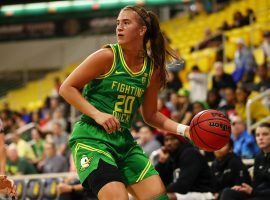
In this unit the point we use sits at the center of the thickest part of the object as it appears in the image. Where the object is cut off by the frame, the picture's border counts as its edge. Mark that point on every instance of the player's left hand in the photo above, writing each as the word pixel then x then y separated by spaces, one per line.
pixel 7 186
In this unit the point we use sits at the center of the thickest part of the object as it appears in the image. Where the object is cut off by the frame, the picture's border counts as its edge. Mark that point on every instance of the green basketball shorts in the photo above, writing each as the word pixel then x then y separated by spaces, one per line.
pixel 90 143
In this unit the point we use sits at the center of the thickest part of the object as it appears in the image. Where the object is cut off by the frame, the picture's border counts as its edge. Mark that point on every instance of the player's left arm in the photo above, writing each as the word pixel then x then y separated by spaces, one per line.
pixel 151 114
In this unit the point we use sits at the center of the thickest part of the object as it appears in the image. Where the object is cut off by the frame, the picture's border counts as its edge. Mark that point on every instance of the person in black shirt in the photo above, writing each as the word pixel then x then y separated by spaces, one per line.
pixel 184 170
pixel 228 169
pixel 260 188
pixel 220 79
pixel 227 105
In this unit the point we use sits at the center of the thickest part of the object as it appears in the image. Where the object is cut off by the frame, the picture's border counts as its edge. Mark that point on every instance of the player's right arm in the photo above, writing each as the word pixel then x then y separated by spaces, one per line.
pixel 93 66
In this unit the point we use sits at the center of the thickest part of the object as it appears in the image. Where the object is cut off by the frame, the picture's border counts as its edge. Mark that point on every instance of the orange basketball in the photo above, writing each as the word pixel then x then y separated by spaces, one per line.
pixel 210 130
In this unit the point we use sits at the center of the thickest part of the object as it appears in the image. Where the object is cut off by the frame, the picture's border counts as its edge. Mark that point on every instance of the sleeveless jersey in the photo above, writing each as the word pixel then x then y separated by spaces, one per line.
pixel 119 92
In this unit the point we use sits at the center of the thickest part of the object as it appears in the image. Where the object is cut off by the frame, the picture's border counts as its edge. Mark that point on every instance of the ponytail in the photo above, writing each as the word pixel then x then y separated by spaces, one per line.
pixel 159 50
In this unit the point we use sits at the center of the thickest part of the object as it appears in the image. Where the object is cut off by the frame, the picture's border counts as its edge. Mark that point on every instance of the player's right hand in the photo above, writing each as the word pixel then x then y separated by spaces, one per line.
pixel 107 121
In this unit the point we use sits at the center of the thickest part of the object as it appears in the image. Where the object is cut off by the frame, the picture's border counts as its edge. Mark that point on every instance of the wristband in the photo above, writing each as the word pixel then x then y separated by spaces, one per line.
pixel 181 129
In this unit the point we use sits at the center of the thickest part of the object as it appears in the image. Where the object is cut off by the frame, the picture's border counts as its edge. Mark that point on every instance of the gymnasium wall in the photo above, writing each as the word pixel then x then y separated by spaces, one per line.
pixel 48 53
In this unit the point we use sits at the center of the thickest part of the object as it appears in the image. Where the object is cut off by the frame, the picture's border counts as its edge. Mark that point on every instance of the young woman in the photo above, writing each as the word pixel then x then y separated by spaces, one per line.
pixel 119 78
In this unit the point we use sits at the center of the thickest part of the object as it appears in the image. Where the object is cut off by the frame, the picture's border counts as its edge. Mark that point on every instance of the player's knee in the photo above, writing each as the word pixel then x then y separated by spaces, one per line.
pixel 113 191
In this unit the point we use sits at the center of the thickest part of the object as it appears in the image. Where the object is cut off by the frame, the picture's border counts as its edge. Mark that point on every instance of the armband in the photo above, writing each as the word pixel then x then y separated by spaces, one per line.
pixel 181 129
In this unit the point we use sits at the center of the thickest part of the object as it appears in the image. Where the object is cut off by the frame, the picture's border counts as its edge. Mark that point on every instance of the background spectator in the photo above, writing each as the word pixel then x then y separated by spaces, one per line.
pixel 60 138
pixel 266 46
pixel 250 17
pixel 238 20
pixel 173 103
pixel 184 170
pixel 220 79
pixel 264 78
pixel 228 169
pixel 163 108
pixel 25 149
pixel 37 143
pixel 147 140
pixel 185 107
pixel 227 105
pixel 213 99
pixel 244 143
pixel 198 85
pixel 257 109
pixel 17 165
pixel 245 63
pixel 260 188
pixel 52 163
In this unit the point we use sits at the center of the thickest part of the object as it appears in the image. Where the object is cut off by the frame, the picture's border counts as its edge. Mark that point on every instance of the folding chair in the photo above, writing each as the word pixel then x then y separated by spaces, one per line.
pixel 50 189
pixel 34 189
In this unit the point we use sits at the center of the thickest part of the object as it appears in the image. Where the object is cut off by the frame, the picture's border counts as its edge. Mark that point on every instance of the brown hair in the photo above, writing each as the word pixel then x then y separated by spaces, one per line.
pixel 265 125
pixel 160 51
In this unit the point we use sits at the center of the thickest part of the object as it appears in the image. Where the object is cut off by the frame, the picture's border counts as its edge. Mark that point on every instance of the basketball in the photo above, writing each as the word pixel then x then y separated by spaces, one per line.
pixel 210 130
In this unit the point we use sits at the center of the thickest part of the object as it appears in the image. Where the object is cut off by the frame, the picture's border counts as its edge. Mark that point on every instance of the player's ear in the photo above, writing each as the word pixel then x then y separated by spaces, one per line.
pixel 143 30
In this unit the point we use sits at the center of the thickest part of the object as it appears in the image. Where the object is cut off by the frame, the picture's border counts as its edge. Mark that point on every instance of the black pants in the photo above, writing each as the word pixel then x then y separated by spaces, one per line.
pixel 229 194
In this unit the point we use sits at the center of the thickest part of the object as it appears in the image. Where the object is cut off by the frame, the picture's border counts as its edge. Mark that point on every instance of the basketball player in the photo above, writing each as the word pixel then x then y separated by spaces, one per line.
pixel 120 77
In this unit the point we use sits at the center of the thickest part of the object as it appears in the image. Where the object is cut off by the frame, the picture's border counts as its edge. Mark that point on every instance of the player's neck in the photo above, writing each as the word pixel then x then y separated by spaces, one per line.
pixel 134 56
pixel 134 52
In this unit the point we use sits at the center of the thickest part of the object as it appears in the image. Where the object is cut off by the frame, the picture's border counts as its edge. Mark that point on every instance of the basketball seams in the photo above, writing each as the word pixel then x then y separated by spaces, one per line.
pixel 222 119
pixel 194 126
pixel 210 120
pixel 215 145
pixel 225 120
pixel 203 142
pixel 212 132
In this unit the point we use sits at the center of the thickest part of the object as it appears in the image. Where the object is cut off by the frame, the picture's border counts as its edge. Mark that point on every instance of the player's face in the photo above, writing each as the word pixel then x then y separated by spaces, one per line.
pixel 263 138
pixel 129 30
pixel 171 143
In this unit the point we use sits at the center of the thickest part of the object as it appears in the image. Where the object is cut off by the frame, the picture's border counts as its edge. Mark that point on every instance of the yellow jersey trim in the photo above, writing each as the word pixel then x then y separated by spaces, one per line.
pixel 83 146
pixel 113 65
pixel 151 71
pixel 126 66
pixel 148 165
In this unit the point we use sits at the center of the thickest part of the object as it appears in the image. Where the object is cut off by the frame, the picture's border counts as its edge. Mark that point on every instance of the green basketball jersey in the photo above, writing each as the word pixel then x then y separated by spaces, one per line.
pixel 119 92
